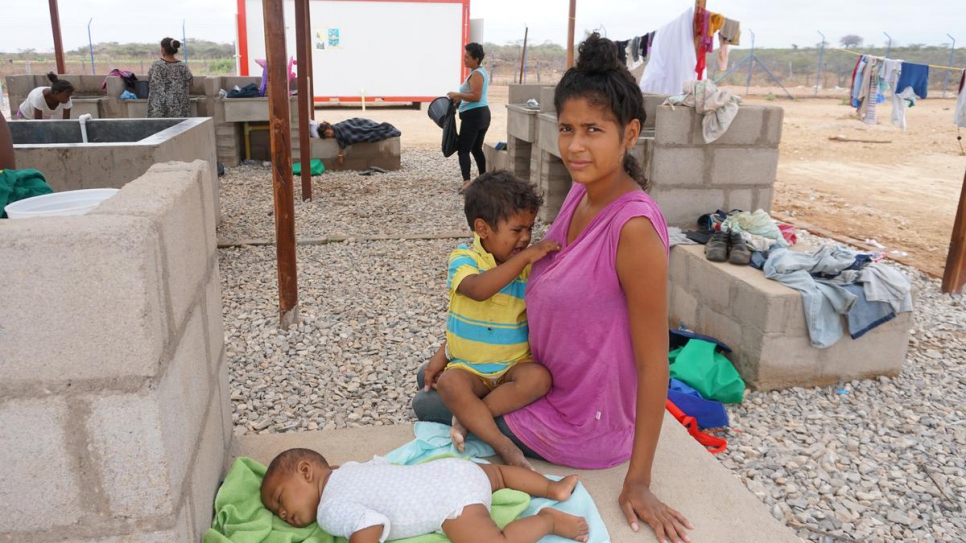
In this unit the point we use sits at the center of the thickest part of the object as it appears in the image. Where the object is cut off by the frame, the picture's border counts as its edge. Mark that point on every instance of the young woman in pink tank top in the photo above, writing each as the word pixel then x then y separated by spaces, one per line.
pixel 597 309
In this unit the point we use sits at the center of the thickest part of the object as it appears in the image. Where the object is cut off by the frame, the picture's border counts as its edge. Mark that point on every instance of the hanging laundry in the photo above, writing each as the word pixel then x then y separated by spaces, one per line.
pixel 622 48
pixel 873 93
pixel 900 101
pixel 719 107
pixel 716 23
pixel 915 76
pixel 671 58
pixel 959 117
pixel 731 31
pixel 891 70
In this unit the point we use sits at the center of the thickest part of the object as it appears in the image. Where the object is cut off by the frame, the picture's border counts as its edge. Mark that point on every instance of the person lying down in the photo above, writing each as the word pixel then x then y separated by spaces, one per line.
pixel 376 501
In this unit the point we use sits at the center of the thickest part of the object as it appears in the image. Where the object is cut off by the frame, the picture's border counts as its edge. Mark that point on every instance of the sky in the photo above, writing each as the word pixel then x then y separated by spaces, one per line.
pixel 776 23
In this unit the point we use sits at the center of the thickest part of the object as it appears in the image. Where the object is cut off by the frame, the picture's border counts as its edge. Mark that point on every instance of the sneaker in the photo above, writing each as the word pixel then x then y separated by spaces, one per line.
pixel 740 253
pixel 716 250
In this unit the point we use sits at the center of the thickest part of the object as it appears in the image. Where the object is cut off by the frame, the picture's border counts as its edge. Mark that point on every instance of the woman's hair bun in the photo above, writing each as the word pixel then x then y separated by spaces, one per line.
pixel 52 77
pixel 176 44
pixel 597 54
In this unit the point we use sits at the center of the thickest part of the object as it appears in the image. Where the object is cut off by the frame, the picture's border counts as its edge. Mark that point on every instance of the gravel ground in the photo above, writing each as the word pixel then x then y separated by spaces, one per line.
pixel 873 461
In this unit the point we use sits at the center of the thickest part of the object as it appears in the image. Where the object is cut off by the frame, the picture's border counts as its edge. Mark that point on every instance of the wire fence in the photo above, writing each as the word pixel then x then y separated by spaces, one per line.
pixel 105 63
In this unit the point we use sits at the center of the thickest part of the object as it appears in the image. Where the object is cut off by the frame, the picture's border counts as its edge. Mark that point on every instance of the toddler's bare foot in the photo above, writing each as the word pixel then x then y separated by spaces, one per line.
pixel 458 434
pixel 562 489
pixel 566 525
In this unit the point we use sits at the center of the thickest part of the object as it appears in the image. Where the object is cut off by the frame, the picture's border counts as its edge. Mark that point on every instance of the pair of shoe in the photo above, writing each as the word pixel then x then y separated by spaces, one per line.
pixel 727 246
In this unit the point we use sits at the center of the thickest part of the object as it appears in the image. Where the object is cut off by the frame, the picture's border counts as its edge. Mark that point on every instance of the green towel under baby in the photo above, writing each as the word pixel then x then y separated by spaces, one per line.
pixel 240 516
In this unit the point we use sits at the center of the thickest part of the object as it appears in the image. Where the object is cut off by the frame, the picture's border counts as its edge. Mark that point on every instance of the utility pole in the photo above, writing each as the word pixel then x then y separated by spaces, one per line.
pixel 58 42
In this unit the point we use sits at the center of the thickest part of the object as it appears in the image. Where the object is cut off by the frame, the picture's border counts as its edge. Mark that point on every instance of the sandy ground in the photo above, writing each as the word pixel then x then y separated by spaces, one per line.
pixel 902 194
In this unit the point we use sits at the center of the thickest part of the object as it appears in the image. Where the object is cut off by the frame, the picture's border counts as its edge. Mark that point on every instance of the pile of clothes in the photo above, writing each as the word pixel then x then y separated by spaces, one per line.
pixel 839 287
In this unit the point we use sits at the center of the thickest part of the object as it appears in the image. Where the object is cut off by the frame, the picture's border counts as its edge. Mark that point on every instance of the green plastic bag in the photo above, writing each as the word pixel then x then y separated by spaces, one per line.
pixel 706 370
pixel 316 167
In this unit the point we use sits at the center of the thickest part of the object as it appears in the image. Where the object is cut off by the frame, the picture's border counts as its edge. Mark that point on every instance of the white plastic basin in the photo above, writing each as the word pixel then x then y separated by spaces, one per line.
pixel 71 202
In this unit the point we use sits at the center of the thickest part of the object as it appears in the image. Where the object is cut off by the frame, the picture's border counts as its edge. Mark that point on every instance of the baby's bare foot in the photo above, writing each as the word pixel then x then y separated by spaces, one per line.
pixel 458 434
pixel 566 525
pixel 562 489
pixel 513 456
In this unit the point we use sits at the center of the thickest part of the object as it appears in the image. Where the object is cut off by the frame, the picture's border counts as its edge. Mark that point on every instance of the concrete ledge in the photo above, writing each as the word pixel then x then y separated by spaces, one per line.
pixel 386 154
pixel 764 322
pixel 685 475
pixel 495 160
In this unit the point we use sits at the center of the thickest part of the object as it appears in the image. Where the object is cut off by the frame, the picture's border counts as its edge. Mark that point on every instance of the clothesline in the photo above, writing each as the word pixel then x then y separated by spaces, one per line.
pixel 882 58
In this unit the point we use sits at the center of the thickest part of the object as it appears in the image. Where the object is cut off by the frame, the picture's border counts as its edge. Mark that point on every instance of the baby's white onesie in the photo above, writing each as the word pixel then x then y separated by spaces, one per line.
pixel 407 500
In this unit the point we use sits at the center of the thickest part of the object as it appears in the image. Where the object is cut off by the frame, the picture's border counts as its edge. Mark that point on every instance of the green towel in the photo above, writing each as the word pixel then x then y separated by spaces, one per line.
pixel 240 516
pixel 316 167
pixel 18 185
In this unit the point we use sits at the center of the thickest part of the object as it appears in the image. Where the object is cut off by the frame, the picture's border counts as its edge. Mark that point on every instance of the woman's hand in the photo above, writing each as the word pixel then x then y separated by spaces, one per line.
pixel 638 502
pixel 436 366
pixel 454 96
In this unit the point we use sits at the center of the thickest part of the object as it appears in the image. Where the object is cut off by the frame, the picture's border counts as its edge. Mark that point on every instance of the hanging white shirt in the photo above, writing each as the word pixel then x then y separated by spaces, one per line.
pixel 672 58
pixel 959 118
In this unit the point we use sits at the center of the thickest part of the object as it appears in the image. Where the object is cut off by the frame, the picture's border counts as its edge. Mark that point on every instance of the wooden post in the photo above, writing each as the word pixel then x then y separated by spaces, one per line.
pixel 303 54
pixel 58 43
pixel 523 54
pixel 954 277
pixel 310 51
pixel 570 33
pixel 281 142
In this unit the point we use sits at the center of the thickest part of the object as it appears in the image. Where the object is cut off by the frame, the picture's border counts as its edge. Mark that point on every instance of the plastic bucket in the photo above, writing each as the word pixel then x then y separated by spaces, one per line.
pixel 71 202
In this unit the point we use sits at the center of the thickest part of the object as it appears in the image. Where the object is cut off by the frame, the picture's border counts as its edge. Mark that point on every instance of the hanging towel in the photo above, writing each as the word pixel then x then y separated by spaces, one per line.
pixel 719 107
pixel 16 185
pixel 672 57
pixel 959 117
pixel 915 76
pixel 731 31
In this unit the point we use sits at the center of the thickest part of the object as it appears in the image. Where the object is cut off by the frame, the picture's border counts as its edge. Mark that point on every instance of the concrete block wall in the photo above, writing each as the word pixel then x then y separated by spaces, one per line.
pixel 690 177
pixel 495 160
pixel 763 322
pixel 114 418
pixel 519 94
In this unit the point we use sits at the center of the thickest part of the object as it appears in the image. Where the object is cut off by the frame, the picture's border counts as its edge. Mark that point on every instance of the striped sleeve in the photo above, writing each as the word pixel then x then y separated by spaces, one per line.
pixel 463 262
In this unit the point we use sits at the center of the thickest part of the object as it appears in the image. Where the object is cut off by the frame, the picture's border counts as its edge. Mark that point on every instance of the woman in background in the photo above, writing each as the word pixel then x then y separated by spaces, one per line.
pixel 474 112
pixel 169 79
pixel 47 102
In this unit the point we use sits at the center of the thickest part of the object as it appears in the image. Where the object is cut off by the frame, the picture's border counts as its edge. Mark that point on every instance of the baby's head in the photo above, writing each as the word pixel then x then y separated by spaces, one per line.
pixel 502 208
pixel 293 483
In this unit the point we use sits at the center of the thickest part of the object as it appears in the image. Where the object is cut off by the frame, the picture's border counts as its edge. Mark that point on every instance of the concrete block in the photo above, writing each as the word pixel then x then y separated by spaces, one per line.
pixel 678 166
pixel 752 166
pixel 241 110
pixel 180 531
pixel 520 93
pixel 183 394
pixel 224 405
pixel 171 197
pixel 674 126
pixel 765 325
pixel 208 184
pixel 214 320
pixel 747 128
pixel 547 134
pixel 763 198
pixel 546 100
pixel 682 308
pixel 651 103
pixel 39 488
pixel 203 482
pixel 743 199
pixel 719 325
pixel 519 157
pixel 677 267
pixel 682 207
pixel 521 123
pixel 772 133
pixel 126 436
pixel 495 160
pixel 95 279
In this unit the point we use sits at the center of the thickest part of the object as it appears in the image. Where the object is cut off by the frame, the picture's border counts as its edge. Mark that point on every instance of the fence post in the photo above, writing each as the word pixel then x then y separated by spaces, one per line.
pixel 889 46
pixel 821 52
pixel 950 63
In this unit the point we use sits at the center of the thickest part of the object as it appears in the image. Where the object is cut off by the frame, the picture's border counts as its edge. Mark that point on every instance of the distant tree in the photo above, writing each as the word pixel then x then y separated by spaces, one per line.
pixel 915 46
pixel 794 46
pixel 851 41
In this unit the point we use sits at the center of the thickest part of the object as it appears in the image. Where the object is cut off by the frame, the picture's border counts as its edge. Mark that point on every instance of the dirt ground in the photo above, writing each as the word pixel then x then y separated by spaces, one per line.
pixel 902 194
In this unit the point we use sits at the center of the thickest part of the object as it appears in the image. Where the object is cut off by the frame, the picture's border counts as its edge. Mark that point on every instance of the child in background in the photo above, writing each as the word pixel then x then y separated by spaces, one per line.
pixel 486 357
pixel 374 501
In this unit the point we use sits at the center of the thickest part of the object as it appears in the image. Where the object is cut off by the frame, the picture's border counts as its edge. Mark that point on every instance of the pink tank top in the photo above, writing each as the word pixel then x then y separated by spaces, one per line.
pixel 579 330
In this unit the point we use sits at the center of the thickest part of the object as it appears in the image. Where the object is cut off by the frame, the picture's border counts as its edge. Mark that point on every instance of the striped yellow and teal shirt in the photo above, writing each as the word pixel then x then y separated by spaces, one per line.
pixel 488 337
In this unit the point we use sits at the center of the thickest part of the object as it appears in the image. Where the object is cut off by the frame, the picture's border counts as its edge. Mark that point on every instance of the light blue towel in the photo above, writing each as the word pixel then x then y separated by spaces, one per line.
pixel 432 440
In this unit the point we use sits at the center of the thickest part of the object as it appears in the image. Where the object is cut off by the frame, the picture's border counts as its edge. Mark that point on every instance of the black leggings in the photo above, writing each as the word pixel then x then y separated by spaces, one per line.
pixel 473 126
